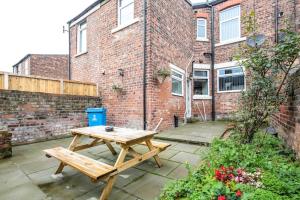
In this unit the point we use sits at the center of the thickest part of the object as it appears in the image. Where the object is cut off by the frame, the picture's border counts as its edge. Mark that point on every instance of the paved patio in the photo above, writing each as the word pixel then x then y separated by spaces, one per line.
pixel 197 133
pixel 27 175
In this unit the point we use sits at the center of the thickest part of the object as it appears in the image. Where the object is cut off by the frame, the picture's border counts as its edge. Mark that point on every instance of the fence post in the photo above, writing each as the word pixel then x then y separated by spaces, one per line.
pixel 61 86
pixel 6 81
pixel 97 89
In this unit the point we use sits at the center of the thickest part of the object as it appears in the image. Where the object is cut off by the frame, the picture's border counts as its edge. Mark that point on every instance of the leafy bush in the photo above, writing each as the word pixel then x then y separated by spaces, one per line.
pixel 280 173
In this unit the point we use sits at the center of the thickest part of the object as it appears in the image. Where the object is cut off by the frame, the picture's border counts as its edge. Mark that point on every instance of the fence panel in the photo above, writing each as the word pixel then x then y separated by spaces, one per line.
pixel 1 81
pixel 45 85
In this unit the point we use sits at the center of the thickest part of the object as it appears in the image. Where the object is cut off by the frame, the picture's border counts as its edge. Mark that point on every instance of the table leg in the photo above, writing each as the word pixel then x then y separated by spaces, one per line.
pixel 111 148
pixel 111 180
pixel 156 158
pixel 72 146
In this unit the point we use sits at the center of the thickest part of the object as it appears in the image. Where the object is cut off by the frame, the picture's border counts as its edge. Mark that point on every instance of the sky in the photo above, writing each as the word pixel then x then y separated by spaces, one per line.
pixel 36 27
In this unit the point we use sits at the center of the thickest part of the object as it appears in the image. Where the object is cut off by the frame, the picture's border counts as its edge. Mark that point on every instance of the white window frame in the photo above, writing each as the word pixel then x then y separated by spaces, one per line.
pixel 182 73
pixel 205 27
pixel 202 78
pixel 26 68
pixel 241 73
pixel 119 12
pixel 239 24
pixel 79 42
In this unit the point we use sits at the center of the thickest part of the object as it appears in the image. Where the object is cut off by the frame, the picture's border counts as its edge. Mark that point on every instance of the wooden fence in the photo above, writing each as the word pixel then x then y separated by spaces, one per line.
pixel 46 85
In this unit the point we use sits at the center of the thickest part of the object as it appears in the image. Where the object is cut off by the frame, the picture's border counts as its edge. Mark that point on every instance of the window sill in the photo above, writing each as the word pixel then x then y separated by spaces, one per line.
pixel 178 95
pixel 231 91
pixel 202 40
pixel 231 41
pixel 80 54
pixel 121 27
pixel 202 97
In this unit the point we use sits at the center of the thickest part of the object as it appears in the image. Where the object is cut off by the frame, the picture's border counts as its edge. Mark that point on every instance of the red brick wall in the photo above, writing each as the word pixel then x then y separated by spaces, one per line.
pixel 171 42
pixel 51 66
pixel 265 12
pixel 108 52
pixel 287 120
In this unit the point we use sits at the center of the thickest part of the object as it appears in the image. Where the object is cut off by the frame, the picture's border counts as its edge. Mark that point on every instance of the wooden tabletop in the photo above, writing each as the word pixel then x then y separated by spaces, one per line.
pixel 119 135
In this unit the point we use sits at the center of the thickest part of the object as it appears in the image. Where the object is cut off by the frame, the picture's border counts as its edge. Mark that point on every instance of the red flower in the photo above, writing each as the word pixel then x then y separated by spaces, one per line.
pixel 238 193
pixel 221 198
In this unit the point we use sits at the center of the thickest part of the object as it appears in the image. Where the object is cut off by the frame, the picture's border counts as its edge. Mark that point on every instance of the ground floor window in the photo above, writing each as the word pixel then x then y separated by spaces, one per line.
pixel 201 82
pixel 177 83
pixel 231 79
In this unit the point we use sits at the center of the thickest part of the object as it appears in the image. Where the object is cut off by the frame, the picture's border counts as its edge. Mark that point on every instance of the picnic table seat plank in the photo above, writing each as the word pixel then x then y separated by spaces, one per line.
pixel 160 145
pixel 92 168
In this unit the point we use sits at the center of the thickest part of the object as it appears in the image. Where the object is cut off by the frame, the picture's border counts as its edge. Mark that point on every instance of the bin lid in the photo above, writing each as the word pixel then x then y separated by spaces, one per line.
pixel 95 110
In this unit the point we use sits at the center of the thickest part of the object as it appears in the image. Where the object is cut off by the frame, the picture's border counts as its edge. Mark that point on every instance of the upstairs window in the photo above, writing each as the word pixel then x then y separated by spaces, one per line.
pixel 231 79
pixel 81 38
pixel 201 29
pixel 126 11
pixel 230 24
pixel 201 82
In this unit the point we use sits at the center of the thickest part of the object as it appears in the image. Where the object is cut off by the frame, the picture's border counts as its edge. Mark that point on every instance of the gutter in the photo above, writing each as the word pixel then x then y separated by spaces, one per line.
pixel 206 5
pixel 145 68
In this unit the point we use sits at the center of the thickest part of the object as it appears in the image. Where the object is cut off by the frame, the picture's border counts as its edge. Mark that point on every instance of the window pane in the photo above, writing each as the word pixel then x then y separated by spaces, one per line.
pixel 176 86
pixel 125 2
pixel 229 71
pixel 127 14
pixel 201 73
pixel 230 30
pixel 83 46
pixel 201 26
pixel 230 13
pixel 231 83
pixel 201 87
pixel 176 74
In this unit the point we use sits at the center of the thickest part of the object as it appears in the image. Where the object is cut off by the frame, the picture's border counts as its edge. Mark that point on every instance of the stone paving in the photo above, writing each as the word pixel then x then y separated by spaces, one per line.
pixel 197 133
pixel 27 175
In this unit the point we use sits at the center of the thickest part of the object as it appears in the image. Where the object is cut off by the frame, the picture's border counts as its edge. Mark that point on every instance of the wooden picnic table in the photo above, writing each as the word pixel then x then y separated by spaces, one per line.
pixel 125 137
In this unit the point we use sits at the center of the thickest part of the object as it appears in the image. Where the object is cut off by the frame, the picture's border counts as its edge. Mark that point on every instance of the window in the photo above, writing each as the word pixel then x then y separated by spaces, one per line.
pixel 201 82
pixel 230 24
pixel 82 39
pixel 126 11
pixel 26 68
pixel 231 79
pixel 16 70
pixel 177 83
pixel 201 29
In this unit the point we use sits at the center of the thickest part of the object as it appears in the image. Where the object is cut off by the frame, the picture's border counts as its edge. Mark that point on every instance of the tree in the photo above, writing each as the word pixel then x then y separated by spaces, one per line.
pixel 268 67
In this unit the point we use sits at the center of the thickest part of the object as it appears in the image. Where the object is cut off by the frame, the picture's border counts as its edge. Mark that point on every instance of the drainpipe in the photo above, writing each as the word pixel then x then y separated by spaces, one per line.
pixel 69 60
pixel 145 68
pixel 212 33
pixel 276 21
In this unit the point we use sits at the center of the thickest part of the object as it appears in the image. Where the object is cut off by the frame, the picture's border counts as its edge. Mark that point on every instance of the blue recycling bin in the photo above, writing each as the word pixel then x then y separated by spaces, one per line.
pixel 96 116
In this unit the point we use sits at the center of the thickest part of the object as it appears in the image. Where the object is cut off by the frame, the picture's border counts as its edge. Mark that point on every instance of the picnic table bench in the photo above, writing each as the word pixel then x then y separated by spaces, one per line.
pixel 96 170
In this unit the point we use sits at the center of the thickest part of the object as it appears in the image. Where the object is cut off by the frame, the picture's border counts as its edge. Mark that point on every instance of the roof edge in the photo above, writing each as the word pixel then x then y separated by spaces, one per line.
pixel 207 4
pixel 85 11
pixel 32 54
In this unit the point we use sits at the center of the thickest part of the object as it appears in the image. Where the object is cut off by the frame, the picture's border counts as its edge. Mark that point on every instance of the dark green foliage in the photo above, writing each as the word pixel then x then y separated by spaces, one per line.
pixel 280 173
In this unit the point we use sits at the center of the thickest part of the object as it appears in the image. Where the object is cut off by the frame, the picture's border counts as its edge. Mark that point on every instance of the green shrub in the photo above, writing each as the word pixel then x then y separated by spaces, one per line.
pixel 280 173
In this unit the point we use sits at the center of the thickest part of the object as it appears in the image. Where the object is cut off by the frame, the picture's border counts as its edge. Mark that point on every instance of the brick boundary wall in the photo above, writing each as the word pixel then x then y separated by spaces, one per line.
pixel 33 117
pixel 5 144
pixel 287 120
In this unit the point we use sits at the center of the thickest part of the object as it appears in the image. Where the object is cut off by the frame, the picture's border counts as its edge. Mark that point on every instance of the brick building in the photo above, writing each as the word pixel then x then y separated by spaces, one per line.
pixel 124 43
pixel 50 66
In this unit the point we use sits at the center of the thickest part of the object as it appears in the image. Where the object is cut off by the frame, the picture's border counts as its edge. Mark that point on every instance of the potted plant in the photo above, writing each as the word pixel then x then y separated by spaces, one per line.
pixel 117 88
pixel 162 74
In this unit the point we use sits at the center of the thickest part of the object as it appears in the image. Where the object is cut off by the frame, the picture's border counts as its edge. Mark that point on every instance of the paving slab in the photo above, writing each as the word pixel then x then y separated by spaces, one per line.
pixel 151 167
pixel 186 147
pixel 179 173
pixel 184 157
pixel 129 176
pixel 148 187
pixel 197 133
pixel 27 191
